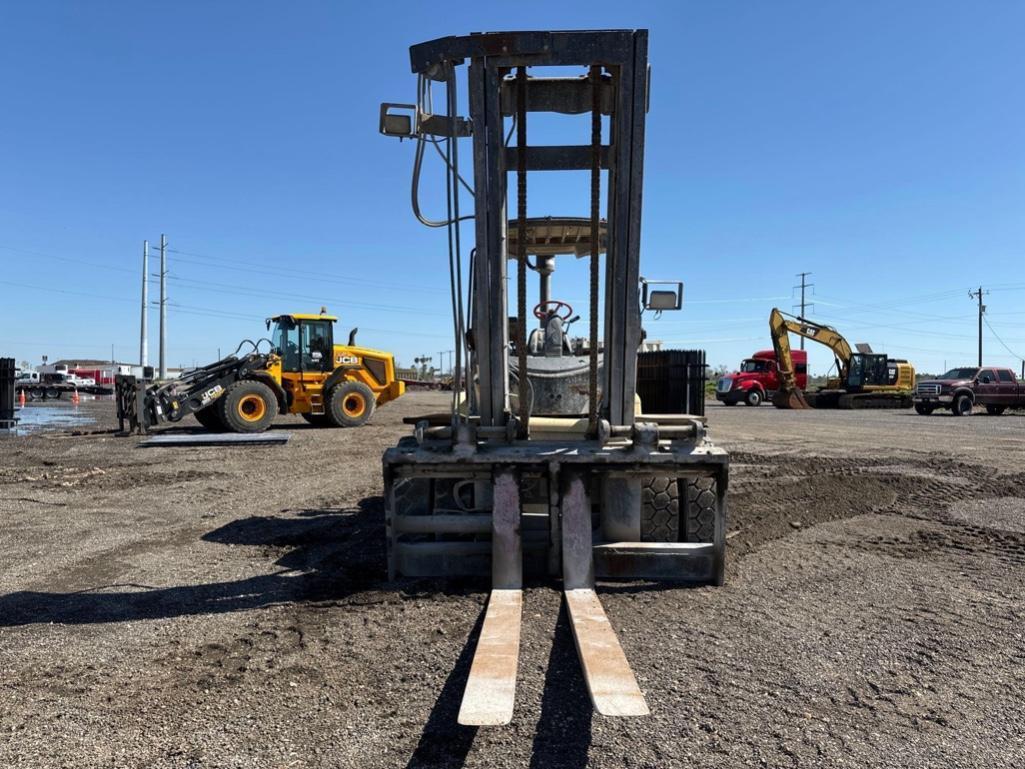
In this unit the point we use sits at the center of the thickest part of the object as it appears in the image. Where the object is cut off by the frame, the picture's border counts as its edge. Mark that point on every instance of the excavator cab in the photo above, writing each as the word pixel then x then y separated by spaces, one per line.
pixel 867 370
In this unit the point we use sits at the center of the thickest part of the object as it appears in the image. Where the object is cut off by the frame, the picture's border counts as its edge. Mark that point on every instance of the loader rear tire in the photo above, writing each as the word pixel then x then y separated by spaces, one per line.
pixel 210 418
pixel 248 407
pixel 350 404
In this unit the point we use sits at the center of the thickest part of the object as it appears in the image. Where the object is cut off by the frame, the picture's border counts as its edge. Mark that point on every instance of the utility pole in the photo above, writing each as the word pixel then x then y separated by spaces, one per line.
pixel 143 331
pixel 982 309
pixel 805 285
pixel 163 307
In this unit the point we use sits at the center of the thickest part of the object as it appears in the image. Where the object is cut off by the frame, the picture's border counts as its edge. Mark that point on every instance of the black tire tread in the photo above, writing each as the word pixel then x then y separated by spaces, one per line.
pixel 660 509
pixel 210 418
pixel 699 523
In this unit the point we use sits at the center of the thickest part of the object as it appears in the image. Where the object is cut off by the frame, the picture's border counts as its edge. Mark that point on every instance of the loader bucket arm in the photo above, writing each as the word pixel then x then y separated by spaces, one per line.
pixel 789 396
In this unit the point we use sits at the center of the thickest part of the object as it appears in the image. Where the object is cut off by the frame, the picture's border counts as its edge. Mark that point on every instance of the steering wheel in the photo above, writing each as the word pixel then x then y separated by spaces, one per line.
pixel 541 310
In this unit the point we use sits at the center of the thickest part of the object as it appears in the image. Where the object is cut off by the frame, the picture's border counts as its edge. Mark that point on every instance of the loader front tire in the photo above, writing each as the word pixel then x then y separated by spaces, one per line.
pixel 248 407
pixel 350 404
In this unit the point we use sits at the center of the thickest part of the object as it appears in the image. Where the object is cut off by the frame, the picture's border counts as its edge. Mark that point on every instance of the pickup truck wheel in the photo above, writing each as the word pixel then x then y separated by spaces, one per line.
pixel 962 405
pixel 248 407
pixel 754 397
pixel 995 411
pixel 922 409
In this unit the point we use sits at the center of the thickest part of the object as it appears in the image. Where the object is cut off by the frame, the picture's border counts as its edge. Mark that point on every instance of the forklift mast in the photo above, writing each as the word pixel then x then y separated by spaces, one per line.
pixel 614 92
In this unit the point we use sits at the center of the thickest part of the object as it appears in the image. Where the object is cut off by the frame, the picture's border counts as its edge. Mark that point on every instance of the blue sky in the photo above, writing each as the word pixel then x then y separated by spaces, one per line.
pixel 878 145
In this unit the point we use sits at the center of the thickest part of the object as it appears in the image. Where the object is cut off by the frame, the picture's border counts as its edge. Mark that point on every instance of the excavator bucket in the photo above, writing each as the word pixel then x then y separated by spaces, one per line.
pixel 790 399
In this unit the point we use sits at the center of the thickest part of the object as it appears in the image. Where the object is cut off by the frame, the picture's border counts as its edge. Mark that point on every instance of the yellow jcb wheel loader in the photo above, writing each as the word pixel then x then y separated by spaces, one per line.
pixel 304 373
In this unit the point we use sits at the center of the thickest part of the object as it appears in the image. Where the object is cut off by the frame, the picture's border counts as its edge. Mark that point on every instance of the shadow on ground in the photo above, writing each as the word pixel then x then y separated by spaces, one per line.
pixel 328 555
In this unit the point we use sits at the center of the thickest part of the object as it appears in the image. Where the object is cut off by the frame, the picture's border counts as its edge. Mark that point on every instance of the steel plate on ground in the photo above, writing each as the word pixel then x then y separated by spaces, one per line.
pixel 216 439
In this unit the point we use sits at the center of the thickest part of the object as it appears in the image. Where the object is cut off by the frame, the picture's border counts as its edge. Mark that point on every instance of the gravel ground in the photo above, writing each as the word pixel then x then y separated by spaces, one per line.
pixel 209 607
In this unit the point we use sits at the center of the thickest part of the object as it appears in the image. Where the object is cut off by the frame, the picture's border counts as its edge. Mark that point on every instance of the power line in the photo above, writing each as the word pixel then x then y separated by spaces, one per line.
pixel 205 259
pixel 1012 352
pixel 228 288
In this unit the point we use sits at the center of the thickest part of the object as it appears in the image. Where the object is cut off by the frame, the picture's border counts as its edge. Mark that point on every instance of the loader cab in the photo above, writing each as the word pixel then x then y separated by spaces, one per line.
pixel 304 342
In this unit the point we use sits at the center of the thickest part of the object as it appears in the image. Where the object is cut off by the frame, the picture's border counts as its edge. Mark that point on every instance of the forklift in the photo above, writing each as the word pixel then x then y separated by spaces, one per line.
pixel 543 465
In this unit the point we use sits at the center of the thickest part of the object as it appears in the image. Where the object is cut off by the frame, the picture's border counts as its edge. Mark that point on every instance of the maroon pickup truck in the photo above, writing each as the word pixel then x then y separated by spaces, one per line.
pixel 961 389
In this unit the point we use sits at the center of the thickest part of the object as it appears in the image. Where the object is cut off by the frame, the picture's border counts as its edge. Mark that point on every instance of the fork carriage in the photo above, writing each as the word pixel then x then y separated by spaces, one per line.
pixel 546 465
pixel 441 519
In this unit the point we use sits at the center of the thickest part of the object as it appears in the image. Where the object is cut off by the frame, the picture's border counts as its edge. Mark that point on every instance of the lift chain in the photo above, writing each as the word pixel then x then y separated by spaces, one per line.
pixel 521 262
pixel 592 385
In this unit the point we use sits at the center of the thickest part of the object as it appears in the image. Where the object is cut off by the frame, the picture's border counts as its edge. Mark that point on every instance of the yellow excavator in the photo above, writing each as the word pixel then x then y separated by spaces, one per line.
pixel 304 372
pixel 865 379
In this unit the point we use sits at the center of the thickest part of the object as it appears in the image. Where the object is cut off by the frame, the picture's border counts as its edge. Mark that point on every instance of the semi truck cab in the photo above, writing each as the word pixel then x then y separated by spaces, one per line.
pixel 757 379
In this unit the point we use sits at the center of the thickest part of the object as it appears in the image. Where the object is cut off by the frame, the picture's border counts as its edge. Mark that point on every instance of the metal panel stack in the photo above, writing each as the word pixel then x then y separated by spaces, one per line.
pixel 7 418
pixel 672 381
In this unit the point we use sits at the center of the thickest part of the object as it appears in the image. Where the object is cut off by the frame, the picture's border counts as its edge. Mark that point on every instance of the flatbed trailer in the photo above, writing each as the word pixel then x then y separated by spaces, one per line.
pixel 41 391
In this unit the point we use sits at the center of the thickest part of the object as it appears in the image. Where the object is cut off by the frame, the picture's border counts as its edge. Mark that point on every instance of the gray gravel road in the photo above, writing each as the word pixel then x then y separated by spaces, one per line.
pixel 227 608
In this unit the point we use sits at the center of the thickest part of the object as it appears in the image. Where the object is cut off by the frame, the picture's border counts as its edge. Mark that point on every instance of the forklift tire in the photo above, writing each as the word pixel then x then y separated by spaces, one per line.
pixel 661 514
pixel 248 407
pixel 660 509
pixel 923 410
pixel 210 418
pixel 699 521
pixel 350 404
pixel 317 420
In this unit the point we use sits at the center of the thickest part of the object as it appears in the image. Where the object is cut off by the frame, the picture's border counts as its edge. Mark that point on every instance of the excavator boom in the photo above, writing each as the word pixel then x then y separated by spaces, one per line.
pixel 789 395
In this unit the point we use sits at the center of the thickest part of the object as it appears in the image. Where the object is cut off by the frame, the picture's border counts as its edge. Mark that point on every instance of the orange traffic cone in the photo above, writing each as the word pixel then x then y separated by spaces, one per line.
pixel 74 397
pixel 21 398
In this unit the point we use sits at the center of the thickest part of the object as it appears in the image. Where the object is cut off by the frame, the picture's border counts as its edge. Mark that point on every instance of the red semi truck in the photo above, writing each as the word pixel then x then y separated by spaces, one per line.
pixel 758 378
